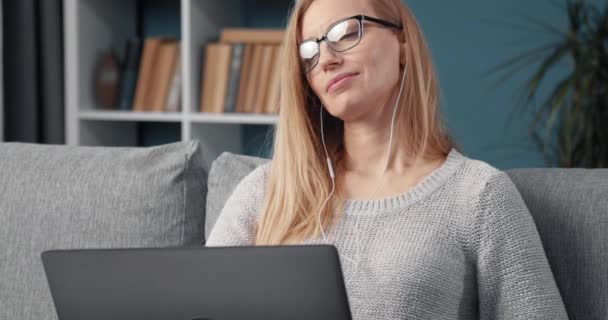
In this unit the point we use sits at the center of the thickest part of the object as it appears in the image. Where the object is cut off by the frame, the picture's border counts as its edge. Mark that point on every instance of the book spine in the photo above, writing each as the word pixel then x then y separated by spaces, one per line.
pixel 234 77
pixel 174 97
pixel 129 75
pixel 264 79
pixel 208 76
pixel 252 81
pixel 244 78
pixel 222 67
pixel 146 69
pixel 161 78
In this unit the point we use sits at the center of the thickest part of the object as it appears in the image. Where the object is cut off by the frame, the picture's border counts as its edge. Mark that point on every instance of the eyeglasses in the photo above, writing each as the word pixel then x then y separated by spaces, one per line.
pixel 342 35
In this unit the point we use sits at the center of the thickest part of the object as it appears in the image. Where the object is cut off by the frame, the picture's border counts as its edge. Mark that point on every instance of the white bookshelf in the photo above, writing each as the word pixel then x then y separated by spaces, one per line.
pixel 92 26
pixel 130 116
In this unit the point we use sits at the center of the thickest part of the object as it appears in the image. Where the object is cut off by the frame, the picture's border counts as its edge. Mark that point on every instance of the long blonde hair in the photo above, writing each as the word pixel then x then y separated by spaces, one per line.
pixel 298 182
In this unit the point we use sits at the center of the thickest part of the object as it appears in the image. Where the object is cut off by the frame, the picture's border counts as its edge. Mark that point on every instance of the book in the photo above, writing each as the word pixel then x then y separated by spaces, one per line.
pixel 161 76
pixel 236 63
pixel 128 79
pixel 175 88
pixel 222 66
pixel 146 68
pixel 272 102
pixel 207 77
pixel 248 35
pixel 244 79
pixel 252 80
pixel 262 78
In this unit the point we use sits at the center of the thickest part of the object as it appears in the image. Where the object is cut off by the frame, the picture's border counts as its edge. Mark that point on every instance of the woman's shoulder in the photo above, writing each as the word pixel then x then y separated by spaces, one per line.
pixel 257 176
pixel 485 194
pixel 477 176
pixel 253 184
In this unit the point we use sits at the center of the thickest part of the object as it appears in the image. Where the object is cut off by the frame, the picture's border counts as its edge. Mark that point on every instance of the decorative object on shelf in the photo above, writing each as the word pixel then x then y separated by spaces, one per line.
pixel 570 125
pixel 106 81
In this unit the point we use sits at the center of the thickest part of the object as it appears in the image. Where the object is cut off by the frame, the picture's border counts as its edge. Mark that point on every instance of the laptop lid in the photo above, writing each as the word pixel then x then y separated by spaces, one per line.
pixel 211 283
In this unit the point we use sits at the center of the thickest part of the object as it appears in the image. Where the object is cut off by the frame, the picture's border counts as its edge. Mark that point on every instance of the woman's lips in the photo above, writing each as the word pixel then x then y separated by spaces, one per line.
pixel 342 81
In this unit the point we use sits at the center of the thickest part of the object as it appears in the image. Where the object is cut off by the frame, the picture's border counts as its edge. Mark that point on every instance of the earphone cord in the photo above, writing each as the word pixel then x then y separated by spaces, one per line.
pixel 332 175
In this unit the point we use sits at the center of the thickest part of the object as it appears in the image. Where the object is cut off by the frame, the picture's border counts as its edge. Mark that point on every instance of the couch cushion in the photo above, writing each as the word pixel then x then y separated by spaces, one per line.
pixel 58 197
pixel 570 209
pixel 225 174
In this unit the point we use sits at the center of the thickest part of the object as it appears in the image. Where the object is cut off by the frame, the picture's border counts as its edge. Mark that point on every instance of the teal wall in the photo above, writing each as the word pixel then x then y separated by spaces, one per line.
pixel 466 39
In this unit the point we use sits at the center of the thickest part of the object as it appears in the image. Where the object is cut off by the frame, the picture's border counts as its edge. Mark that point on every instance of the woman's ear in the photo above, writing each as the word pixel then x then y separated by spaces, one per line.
pixel 402 53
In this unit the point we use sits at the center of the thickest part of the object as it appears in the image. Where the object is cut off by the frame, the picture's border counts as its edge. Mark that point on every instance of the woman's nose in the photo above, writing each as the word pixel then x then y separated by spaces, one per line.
pixel 328 58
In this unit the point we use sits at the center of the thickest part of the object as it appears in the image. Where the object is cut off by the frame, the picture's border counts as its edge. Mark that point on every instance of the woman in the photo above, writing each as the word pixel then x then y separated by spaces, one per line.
pixel 362 161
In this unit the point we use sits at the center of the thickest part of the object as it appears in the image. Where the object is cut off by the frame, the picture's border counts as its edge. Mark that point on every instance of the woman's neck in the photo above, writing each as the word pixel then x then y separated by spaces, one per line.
pixel 366 150
pixel 399 177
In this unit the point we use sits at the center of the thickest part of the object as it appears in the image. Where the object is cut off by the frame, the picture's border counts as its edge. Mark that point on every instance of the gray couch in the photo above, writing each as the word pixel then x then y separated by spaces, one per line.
pixel 89 197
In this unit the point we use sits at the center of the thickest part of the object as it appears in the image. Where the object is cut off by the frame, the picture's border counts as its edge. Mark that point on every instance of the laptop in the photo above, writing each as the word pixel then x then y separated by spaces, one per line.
pixel 202 283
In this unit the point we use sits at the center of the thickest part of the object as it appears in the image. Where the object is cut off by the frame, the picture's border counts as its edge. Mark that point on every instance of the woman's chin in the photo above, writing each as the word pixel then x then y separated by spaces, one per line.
pixel 343 112
pixel 342 107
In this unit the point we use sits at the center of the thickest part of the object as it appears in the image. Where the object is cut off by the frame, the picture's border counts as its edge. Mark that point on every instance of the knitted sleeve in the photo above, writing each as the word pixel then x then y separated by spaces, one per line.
pixel 236 219
pixel 514 278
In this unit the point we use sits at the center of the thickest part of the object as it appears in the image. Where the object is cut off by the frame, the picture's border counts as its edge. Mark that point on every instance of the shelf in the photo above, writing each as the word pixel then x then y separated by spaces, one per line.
pixel 234 118
pixel 92 27
pixel 221 118
pixel 105 115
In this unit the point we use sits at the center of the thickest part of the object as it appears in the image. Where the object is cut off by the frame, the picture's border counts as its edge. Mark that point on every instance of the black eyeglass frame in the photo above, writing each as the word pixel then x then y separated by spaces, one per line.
pixel 360 18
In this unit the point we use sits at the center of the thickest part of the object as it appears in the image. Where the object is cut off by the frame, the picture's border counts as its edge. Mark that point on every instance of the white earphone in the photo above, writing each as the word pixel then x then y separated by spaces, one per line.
pixel 333 176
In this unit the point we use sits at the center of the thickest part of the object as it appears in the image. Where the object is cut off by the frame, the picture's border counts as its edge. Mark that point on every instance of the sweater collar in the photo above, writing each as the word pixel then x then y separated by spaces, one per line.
pixel 422 189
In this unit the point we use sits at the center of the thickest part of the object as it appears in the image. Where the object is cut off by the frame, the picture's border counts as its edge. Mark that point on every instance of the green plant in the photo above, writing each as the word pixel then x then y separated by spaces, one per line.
pixel 570 126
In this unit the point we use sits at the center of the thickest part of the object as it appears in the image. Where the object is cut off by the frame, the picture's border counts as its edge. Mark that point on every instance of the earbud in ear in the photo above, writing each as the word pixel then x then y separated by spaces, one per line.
pixel 402 54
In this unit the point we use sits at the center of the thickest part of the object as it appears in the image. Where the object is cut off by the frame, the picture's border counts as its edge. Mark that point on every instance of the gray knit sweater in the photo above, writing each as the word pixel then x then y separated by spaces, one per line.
pixel 461 244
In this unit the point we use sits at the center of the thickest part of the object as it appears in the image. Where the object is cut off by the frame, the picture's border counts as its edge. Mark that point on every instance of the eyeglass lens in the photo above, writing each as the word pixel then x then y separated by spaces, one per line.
pixel 341 37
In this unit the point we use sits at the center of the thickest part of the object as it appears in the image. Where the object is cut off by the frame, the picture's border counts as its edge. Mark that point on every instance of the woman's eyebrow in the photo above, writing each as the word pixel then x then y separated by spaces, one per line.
pixel 323 30
pixel 308 39
pixel 313 37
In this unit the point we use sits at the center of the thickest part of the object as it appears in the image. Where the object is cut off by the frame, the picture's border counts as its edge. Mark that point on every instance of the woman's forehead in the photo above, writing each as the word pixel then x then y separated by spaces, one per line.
pixel 323 13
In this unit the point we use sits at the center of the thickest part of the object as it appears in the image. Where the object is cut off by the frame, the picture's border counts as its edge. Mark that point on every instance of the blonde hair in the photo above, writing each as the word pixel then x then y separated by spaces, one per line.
pixel 298 182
